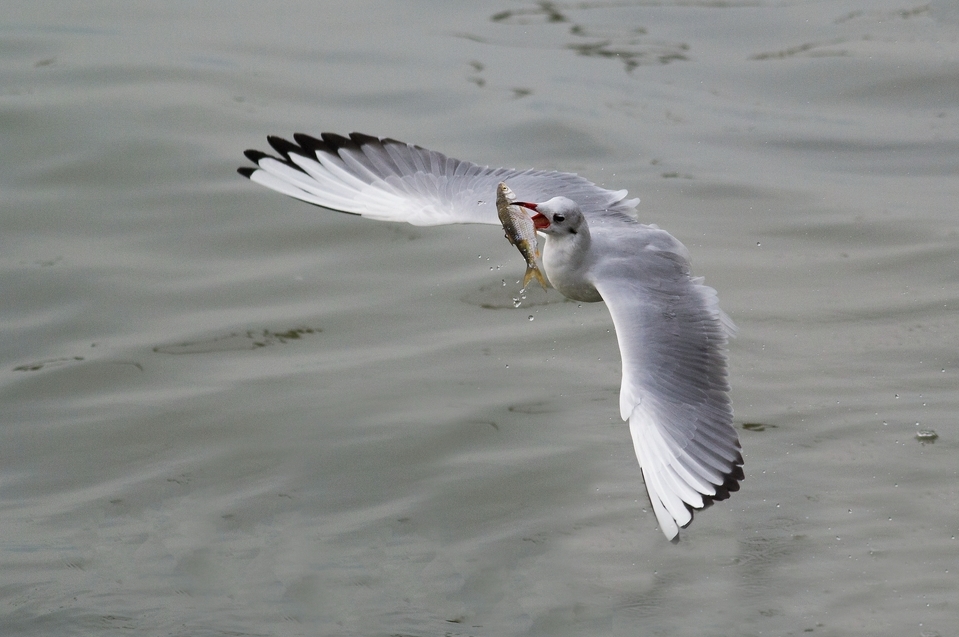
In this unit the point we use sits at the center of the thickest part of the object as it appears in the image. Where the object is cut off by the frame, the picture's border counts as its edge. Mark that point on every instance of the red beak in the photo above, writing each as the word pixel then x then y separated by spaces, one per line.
pixel 539 221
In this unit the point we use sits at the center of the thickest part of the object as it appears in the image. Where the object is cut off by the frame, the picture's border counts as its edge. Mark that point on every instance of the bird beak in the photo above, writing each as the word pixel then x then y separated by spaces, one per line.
pixel 540 222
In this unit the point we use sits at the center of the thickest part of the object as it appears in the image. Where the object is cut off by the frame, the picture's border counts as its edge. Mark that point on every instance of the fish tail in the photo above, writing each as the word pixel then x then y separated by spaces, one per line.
pixel 532 272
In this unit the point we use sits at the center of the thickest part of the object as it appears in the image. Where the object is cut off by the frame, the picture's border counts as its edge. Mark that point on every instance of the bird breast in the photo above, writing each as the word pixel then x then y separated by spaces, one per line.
pixel 567 264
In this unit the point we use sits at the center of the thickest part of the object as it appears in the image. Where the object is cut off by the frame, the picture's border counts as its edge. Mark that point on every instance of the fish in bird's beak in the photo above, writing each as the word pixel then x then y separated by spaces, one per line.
pixel 540 222
pixel 520 231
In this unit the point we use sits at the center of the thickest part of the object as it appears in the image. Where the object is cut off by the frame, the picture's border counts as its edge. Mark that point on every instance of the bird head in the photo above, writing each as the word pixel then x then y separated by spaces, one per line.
pixel 557 216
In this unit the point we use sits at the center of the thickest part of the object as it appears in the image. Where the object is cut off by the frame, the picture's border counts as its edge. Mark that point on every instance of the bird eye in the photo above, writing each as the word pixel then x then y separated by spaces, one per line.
pixel 558 218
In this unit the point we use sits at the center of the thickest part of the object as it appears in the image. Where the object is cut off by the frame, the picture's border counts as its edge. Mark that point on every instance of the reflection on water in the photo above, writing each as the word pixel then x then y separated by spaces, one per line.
pixel 625 43
pixel 232 342
pixel 50 362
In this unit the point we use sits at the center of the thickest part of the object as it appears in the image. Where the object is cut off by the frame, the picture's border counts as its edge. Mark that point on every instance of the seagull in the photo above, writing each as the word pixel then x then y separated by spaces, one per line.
pixel 671 332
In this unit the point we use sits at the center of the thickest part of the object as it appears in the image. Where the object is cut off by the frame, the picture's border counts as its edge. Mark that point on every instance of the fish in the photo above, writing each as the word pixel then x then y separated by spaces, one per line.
pixel 520 232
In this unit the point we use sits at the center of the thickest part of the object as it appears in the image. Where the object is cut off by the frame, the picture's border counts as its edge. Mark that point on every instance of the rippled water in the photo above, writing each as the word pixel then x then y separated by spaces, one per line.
pixel 225 412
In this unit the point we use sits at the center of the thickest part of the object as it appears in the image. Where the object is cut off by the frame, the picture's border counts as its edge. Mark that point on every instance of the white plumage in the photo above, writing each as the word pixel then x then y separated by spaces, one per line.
pixel 672 335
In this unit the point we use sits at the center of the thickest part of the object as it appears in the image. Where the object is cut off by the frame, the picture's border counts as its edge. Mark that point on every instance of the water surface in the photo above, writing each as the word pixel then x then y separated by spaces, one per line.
pixel 226 412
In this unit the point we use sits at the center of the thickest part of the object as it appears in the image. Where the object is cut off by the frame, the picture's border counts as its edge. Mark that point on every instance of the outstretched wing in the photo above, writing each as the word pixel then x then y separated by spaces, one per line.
pixel 392 181
pixel 672 338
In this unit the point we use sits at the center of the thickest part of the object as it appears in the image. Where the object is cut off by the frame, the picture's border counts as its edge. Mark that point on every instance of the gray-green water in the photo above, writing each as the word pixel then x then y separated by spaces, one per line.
pixel 223 412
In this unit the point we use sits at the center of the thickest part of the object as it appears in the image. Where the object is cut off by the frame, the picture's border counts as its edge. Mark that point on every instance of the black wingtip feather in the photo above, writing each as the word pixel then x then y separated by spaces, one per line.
pixel 335 142
pixel 309 143
pixel 255 155
pixel 363 138
pixel 283 146
pixel 731 485
pixel 246 171
pixel 328 143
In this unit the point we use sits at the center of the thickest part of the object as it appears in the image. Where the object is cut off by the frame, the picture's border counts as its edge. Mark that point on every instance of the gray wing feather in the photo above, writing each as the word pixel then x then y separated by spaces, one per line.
pixel 392 181
pixel 672 338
